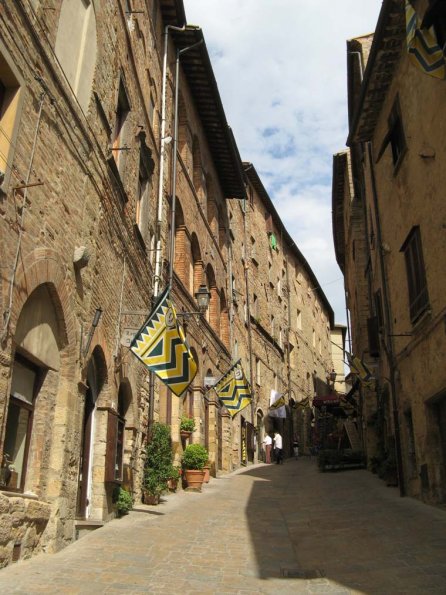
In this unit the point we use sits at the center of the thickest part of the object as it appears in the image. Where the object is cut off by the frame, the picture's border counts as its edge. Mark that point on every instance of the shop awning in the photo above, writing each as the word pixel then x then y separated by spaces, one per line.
pixel 326 400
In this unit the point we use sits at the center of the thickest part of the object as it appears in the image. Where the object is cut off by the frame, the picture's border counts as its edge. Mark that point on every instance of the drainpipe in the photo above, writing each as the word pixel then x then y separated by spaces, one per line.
pixel 388 343
pixel 158 249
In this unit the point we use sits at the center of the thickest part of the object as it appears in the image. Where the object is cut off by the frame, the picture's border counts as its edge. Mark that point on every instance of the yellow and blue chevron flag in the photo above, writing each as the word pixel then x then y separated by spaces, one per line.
pixel 161 345
pixel 358 367
pixel 422 46
pixel 233 389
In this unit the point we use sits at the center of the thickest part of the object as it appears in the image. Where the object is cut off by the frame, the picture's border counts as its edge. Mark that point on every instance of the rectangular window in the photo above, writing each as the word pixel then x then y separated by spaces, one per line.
pixel 142 204
pixel 379 308
pixel 10 101
pixel 416 277
pixel 299 320
pixel 396 134
pixel 24 387
pixel 255 307
pixel 411 454
pixel 115 448
pixel 119 146
pixel 258 371
pixel 254 251
pixel 151 109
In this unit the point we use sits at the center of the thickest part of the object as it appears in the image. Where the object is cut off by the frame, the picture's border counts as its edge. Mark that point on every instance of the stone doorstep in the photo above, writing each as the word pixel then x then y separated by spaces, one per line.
pixel 84 527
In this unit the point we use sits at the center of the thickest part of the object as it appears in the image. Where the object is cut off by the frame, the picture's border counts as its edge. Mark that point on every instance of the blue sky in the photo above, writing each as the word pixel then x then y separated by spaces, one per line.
pixel 280 66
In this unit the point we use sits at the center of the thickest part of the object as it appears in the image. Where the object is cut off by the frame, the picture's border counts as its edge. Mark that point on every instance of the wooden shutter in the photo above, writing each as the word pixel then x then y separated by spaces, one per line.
pixel 115 447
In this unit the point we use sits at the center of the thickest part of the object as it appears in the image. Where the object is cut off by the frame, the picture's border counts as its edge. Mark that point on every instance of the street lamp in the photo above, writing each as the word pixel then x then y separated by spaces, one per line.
pixel 203 296
pixel 332 376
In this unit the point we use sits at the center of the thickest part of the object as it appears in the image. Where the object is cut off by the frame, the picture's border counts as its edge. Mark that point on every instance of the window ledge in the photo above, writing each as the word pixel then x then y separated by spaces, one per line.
pixel 25 495
pixel 421 320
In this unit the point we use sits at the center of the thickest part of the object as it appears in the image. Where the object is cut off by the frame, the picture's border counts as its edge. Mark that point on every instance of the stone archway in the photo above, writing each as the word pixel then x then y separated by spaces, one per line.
pixel 90 487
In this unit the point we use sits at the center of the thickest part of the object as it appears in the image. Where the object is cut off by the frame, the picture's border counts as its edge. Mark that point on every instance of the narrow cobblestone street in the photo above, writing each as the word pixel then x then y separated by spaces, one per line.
pixel 266 529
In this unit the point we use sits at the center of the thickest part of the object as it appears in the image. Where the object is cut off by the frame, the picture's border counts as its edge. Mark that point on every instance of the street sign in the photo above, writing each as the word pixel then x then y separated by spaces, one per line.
pixel 127 336
pixel 210 381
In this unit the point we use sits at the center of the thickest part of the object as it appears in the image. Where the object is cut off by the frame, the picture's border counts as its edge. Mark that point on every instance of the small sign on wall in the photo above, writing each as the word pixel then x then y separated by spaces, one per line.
pixel 210 381
pixel 127 336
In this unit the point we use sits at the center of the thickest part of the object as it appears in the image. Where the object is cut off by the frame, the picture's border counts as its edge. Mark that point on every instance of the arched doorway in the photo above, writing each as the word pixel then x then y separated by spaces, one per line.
pixel 260 435
pixel 96 376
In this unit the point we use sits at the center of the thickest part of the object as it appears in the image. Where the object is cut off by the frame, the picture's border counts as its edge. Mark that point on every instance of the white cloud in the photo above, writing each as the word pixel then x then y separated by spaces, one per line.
pixel 281 70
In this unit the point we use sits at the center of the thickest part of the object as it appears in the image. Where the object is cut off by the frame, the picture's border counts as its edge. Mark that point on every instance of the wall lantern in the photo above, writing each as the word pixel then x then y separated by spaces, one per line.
pixel 203 297
pixel 332 376
pixel 94 324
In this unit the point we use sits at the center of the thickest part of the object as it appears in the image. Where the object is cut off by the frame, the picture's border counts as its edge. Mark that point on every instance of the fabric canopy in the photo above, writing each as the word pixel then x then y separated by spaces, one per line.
pixel 329 399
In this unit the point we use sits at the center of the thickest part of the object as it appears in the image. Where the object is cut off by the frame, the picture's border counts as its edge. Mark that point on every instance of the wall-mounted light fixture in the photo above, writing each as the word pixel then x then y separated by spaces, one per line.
pixel 203 297
pixel 331 377
pixel 94 324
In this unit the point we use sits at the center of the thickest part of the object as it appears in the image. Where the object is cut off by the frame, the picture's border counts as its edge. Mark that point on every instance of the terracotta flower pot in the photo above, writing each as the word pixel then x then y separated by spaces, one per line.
pixel 185 434
pixel 194 478
pixel 153 499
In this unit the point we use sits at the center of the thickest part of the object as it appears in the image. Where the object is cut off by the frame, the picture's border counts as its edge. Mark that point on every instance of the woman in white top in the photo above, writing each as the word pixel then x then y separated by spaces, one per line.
pixel 278 451
pixel 268 444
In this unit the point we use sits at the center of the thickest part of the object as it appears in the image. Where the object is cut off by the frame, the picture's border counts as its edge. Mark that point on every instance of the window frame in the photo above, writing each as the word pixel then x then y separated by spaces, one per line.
pixel 119 134
pixel 418 294
pixel 30 407
pixel 16 83
pixel 396 136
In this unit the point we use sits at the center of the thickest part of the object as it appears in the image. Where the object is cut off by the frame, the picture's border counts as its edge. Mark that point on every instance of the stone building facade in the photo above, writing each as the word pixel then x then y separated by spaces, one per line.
pixel 389 219
pixel 89 163
pixel 282 320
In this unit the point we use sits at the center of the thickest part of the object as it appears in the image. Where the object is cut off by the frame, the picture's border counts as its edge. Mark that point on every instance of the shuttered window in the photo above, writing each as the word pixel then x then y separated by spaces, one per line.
pixel 416 277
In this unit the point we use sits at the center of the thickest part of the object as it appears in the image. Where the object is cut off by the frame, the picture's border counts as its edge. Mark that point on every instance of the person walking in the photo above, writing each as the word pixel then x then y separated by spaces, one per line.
pixel 278 452
pixel 296 447
pixel 268 444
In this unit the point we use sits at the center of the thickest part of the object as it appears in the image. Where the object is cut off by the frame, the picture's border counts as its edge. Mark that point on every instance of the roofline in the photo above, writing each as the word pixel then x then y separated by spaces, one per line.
pixel 253 176
pixel 337 205
pixel 229 164
pixel 378 38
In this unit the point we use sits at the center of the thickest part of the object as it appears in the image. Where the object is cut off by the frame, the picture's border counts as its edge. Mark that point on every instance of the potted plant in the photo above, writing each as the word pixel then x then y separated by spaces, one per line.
pixel 158 463
pixel 194 459
pixel 174 476
pixel 187 426
pixel 207 472
pixel 122 500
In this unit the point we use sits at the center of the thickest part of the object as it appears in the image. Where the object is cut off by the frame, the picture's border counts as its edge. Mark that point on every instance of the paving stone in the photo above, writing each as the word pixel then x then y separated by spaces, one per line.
pixel 342 534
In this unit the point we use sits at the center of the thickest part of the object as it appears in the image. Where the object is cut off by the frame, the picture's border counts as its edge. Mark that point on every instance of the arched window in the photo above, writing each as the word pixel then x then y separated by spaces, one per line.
pixel 182 247
pixel 196 277
pixel 39 337
pixel 224 319
pixel 213 312
pixel 76 46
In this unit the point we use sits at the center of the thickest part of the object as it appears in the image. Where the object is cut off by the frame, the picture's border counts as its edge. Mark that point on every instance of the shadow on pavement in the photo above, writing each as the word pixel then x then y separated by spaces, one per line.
pixel 344 526
pixel 136 509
